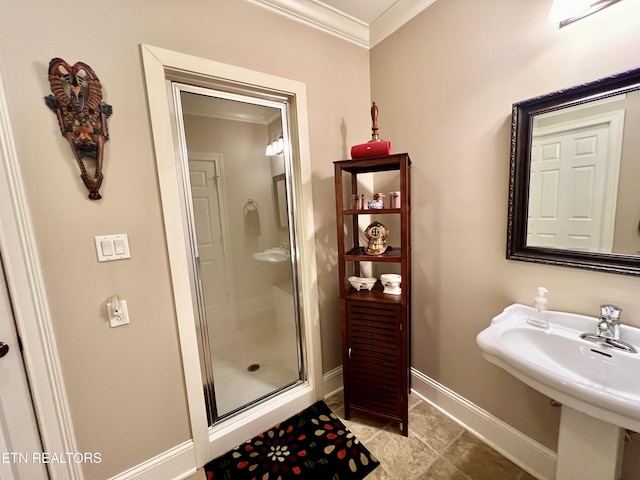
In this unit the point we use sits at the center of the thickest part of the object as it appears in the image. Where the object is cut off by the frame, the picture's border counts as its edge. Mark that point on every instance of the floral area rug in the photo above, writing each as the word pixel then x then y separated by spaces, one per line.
pixel 312 445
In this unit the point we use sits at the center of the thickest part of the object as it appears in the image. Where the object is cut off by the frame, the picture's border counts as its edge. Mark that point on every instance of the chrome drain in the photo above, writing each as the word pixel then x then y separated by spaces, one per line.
pixel 253 367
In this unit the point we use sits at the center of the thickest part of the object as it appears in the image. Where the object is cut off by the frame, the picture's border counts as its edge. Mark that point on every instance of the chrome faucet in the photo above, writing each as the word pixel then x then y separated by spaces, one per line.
pixel 608 330
pixel 286 246
pixel 609 326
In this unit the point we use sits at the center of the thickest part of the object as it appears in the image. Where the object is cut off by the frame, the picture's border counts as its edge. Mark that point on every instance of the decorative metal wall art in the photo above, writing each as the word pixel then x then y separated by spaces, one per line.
pixel 82 117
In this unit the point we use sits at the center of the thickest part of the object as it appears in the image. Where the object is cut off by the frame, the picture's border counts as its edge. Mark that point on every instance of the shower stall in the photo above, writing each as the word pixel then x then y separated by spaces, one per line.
pixel 240 238
pixel 243 261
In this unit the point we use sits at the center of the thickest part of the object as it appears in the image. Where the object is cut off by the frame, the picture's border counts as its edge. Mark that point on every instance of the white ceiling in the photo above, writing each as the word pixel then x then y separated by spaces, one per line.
pixel 205 106
pixel 366 11
pixel 363 22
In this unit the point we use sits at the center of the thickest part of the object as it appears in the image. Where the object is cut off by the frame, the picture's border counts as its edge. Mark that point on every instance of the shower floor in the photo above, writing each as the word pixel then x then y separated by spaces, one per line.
pixel 235 356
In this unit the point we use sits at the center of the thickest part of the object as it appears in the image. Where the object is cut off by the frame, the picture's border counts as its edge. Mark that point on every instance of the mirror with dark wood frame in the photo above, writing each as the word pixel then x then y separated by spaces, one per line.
pixel 575 168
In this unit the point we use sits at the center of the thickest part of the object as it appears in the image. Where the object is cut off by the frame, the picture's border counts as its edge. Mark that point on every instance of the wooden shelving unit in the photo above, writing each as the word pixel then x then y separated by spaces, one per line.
pixel 375 326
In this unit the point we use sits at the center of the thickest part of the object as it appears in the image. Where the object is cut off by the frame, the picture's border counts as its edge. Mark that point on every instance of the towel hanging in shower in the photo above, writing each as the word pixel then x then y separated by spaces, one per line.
pixel 251 218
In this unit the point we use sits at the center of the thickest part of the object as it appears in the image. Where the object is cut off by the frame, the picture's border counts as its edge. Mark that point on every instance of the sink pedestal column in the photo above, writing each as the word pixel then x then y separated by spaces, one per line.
pixel 588 448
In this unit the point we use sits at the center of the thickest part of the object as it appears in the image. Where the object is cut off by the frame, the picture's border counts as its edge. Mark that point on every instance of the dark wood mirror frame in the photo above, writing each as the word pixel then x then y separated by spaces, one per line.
pixel 280 202
pixel 523 114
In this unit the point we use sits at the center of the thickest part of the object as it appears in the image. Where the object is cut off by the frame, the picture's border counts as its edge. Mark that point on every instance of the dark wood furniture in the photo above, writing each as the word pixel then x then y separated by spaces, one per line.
pixel 375 326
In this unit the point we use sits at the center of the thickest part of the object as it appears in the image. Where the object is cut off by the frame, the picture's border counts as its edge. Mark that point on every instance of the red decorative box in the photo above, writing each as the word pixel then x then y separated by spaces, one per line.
pixel 371 149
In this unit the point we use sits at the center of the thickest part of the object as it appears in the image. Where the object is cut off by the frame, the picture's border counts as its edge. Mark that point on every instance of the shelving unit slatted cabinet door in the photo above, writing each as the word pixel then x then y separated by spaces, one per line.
pixel 375 326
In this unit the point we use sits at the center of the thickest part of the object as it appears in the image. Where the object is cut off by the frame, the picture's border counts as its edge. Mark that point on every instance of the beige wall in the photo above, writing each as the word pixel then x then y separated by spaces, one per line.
pixel 445 84
pixel 125 385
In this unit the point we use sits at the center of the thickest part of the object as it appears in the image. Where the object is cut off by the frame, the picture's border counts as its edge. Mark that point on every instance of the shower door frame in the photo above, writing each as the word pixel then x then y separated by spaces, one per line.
pixel 161 65
pixel 281 104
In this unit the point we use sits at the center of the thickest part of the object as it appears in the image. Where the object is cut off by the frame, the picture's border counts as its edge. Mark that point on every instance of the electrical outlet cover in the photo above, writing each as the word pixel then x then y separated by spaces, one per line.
pixel 118 320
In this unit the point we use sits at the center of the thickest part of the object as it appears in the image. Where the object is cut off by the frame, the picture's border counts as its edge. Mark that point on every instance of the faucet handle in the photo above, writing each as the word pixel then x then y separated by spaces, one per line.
pixel 610 311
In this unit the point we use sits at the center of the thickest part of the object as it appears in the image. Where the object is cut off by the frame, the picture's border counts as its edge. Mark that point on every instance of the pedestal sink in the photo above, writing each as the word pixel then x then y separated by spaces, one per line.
pixel 597 385
pixel 273 255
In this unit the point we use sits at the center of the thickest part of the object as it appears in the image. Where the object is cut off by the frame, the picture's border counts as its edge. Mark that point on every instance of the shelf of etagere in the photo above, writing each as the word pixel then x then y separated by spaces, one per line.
pixel 370 211
pixel 392 254
pixel 376 294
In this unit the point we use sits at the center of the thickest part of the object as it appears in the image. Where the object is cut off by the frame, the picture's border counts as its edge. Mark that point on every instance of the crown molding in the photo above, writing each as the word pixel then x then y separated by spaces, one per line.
pixel 320 17
pixel 395 17
pixel 329 20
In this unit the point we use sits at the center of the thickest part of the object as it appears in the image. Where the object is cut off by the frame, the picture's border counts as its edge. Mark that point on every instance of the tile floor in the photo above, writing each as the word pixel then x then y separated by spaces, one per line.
pixel 437 448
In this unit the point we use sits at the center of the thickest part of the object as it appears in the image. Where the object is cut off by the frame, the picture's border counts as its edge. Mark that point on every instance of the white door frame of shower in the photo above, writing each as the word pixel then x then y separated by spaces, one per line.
pixel 159 64
pixel 30 306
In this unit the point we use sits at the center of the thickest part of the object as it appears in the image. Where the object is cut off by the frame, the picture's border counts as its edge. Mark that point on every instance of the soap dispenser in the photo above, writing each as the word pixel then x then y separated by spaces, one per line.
pixel 539 317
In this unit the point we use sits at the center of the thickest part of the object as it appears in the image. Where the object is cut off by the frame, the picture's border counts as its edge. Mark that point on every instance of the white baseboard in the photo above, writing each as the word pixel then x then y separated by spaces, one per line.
pixel 179 462
pixel 522 450
pixel 174 464
pixel 332 381
pixel 525 452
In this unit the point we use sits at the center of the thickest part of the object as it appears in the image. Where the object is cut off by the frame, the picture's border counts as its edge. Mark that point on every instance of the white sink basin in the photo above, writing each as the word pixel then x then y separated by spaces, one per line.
pixel 273 255
pixel 599 381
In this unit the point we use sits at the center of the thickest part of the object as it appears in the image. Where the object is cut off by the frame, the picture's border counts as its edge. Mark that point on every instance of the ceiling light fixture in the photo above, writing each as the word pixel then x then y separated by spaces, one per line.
pixel 269 151
pixel 275 147
pixel 565 12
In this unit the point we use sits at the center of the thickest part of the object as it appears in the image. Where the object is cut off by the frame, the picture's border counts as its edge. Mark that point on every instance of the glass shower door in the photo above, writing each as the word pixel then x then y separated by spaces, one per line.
pixel 243 267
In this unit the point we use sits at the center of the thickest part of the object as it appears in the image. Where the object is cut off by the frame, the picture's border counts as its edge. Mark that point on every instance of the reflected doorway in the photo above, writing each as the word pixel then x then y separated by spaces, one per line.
pixel 235 203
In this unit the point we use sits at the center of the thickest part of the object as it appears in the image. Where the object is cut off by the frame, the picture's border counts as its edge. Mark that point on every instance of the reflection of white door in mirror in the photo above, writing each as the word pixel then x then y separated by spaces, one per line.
pixel 566 207
pixel 573 183
pixel 214 254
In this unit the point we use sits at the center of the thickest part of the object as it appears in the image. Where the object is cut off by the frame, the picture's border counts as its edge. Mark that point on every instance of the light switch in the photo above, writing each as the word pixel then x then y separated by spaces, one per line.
pixel 118 243
pixel 112 247
pixel 107 248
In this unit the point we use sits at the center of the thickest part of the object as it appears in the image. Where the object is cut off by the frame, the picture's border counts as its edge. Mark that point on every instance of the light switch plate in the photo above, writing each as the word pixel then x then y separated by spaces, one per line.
pixel 112 247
